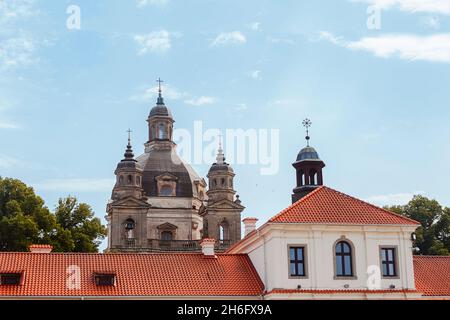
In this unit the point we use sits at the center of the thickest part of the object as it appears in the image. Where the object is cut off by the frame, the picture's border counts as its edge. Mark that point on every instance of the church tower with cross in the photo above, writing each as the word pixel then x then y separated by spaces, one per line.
pixel 223 218
pixel 308 167
pixel 160 203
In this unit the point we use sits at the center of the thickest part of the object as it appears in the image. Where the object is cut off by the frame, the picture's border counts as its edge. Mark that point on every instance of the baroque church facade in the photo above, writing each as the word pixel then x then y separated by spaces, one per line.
pixel 159 203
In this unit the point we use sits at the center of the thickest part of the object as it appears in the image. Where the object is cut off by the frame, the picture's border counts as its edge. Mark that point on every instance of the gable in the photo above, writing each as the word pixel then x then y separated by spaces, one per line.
pixel 129 202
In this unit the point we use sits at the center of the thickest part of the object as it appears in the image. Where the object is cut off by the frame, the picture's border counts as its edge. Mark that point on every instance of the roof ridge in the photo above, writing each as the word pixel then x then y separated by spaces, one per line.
pixel 301 200
pixel 430 256
pixel 373 206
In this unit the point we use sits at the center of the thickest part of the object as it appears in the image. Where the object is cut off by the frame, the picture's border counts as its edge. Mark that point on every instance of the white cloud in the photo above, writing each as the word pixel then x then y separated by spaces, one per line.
pixel 255 74
pixel 76 185
pixel 158 3
pixel 255 26
pixel 154 42
pixel 201 101
pixel 241 107
pixel 7 162
pixel 8 125
pixel 18 52
pixel 229 38
pixel 412 6
pixel 11 10
pixel 148 93
pixel 434 48
pixel 391 199
pixel 432 22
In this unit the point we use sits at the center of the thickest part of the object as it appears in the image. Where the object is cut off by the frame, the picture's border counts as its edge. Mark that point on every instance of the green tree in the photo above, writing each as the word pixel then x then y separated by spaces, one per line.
pixel 25 220
pixel 78 218
pixel 433 236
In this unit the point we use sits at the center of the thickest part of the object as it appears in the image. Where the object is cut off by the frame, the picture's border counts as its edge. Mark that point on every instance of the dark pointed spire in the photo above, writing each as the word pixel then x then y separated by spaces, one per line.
pixel 129 155
pixel 160 100
pixel 307 124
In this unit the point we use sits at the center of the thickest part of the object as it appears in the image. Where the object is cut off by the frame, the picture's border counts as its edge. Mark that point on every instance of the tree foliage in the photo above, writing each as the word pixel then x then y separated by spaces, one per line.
pixel 25 220
pixel 433 236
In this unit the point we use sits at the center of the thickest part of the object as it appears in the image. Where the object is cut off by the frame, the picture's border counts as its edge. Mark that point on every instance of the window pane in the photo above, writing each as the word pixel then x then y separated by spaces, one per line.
pixel 390 255
pixel 300 253
pixel 391 270
pixel 292 253
pixel 348 265
pixel 384 269
pixel 383 254
pixel 339 266
pixel 292 269
pixel 300 269
pixel 346 247
pixel 338 247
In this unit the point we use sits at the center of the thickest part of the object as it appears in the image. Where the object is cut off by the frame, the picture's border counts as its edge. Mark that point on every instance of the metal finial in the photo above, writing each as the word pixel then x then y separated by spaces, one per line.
pixel 307 124
pixel 220 156
pixel 129 152
pixel 129 136
pixel 159 86
pixel 160 98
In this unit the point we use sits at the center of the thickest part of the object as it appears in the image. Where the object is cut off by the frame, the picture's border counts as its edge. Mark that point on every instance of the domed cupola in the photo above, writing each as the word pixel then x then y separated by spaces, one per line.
pixel 128 175
pixel 308 166
pixel 160 121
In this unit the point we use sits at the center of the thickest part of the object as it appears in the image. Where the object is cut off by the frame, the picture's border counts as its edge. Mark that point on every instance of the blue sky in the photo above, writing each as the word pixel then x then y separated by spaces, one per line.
pixel 378 98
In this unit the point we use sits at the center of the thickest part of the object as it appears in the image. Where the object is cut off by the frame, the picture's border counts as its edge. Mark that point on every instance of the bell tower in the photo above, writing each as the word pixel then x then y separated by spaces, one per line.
pixel 160 123
pixel 308 167
pixel 222 220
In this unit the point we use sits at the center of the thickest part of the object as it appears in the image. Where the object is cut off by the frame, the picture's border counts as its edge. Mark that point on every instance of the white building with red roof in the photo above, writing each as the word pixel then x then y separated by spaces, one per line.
pixel 326 245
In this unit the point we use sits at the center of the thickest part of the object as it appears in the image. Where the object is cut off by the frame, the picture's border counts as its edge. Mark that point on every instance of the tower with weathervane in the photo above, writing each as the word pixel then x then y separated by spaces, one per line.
pixel 308 167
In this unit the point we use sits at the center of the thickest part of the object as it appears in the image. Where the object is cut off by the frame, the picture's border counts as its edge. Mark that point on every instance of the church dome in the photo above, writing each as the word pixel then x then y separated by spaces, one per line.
pixel 221 167
pixel 160 111
pixel 308 153
pixel 166 161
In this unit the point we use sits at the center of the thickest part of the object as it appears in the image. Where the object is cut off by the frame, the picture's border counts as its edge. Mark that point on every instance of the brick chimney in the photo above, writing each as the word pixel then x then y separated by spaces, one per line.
pixel 208 247
pixel 40 248
pixel 250 225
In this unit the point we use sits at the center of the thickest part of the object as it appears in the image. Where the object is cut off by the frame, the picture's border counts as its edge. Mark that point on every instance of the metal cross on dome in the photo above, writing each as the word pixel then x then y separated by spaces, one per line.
pixel 307 124
pixel 159 85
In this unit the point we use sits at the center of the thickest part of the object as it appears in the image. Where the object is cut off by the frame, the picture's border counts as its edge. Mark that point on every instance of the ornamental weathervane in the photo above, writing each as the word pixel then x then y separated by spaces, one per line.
pixel 307 124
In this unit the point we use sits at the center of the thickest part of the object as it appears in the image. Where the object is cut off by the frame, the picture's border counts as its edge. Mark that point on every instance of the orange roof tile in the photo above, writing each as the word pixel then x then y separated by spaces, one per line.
pixel 325 205
pixel 432 275
pixel 183 274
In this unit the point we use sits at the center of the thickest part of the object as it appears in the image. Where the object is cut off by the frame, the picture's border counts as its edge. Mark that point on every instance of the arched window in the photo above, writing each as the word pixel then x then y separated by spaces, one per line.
pixel 343 259
pixel 215 182
pixel 130 179
pixel 129 228
pixel 138 181
pixel 166 191
pixel 231 182
pixel 121 180
pixel 166 235
pixel 223 182
pixel 224 231
pixel 162 133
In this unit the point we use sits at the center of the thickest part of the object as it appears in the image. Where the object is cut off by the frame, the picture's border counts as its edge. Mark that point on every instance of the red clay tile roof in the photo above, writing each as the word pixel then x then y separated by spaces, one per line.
pixel 432 275
pixel 325 205
pixel 46 274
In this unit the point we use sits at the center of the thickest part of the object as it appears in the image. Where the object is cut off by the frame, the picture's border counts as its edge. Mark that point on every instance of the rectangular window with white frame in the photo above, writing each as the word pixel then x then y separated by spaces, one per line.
pixel 297 261
pixel 388 256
